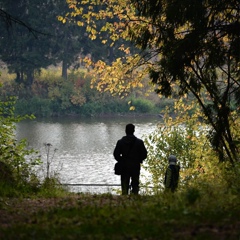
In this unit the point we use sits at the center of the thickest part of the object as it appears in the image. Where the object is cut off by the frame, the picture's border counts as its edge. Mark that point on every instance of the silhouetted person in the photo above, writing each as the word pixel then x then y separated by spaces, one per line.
pixel 131 152
pixel 172 174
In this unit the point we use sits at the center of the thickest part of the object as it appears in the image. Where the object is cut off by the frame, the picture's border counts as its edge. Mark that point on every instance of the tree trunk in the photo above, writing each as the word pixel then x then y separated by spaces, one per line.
pixel 64 69
pixel 30 76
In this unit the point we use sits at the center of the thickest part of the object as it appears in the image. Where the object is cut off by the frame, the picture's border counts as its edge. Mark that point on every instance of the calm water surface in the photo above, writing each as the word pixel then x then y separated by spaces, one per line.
pixel 84 146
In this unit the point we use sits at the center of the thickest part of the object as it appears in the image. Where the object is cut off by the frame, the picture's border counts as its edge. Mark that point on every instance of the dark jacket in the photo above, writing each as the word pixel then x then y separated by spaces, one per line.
pixel 130 149
pixel 172 177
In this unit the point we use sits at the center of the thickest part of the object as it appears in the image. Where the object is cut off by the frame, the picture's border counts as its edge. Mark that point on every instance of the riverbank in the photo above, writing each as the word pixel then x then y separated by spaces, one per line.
pixel 86 216
pixel 131 115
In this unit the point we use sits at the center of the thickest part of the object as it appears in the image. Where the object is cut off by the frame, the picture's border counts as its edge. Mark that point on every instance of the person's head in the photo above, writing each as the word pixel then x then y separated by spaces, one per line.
pixel 130 128
pixel 172 159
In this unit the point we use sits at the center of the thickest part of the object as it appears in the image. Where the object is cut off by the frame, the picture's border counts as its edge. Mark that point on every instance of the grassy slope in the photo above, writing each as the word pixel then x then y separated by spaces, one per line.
pixel 107 216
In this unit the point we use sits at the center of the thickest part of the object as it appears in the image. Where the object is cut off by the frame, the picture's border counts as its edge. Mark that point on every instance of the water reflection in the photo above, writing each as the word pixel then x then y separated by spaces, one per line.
pixel 84 146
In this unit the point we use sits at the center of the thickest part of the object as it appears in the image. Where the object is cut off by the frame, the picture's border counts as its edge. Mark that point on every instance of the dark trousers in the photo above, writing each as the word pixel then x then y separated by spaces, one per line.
pixel 133 173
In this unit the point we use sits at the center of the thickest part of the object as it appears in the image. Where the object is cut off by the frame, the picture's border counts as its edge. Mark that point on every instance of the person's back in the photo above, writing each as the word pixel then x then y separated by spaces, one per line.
pixel 130 147
pixel 131 152
pixel 172 174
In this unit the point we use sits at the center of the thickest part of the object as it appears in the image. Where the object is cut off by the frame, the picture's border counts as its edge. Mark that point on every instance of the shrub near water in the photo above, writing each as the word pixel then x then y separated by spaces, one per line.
pixel 187 137
pixel 142 105
pixel 17 164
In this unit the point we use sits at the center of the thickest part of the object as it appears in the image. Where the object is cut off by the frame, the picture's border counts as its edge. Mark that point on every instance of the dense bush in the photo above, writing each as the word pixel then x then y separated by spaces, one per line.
pixel 186 136
pixel 142 105
pixel 36 106
pixel 17 160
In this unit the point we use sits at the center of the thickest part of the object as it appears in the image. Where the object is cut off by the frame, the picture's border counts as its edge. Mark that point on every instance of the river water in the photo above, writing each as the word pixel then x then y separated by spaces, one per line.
pixel 81 150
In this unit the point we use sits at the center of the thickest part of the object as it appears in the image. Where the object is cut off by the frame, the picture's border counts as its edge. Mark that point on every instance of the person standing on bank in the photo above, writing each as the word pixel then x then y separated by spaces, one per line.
pixel 172 174
pixel 130 151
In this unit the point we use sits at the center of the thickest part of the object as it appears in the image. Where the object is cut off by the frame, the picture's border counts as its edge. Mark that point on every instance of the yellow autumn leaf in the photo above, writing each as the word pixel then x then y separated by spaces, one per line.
pixel 60 18
pixel 80 24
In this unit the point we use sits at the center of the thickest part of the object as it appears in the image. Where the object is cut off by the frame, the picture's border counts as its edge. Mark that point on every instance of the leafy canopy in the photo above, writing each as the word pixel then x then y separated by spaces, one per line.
pixel 117 17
